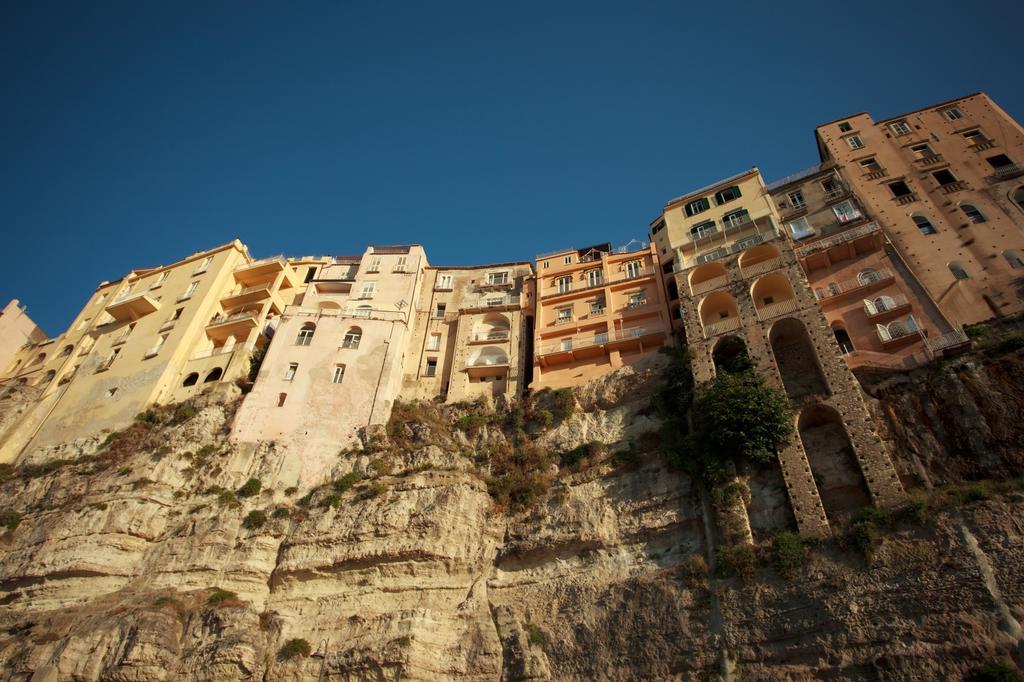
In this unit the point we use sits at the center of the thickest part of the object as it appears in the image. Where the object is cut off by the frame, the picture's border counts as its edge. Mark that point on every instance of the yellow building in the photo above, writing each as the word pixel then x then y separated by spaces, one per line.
pixel 156 335
pixel 16 331
pixel 596 310
pixel 470 333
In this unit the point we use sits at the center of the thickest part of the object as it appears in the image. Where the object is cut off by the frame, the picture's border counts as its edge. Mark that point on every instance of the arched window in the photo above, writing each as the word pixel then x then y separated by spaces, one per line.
pixel 352 338
pixel 40 358
pixel 1014 257
pixel 14 366
pixel 67 350
pixel 191 379
pixel 305 336
pixel 973 214
pixel 924 225
pixel 1018 197
pixel 214 375
pixel 883 303
pixel 868 276
pixel 958 270
pixel 843 339
pixel 47 378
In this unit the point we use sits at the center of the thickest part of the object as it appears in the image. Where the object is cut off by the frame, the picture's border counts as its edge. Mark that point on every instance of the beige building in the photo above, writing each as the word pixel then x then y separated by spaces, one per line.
pixel 157 335
pixel 336 360
pixel 946 182
pixel 597 309
pixel 16 331
pixel 471 332
pixel 741 285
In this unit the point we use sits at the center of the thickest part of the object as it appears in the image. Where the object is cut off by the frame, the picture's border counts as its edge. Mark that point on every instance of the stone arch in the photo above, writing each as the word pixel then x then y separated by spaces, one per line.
pixel 958 270
pixel 842 338
pixel 489 355
pixel 493 327
pixel 830 454
pixel 730 355
pixel 67 350
pixel 797 359
pixel 706 272
pixel 923 224
pixel 717 307
pixel 40 359
pixel 329 307
pixel 1018 197
pixel 771 290
pixel 762 253
pixel 215 374
pixel 191 380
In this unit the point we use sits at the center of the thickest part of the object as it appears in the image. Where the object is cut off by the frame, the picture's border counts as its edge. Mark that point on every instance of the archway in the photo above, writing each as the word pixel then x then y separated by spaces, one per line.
pixel 842 338
pixel 489 355
pixel 730 355
pixel 836 472
pixel 214 375
pixel 796 359
pixel 717 308
pixel 707 276
pixel 191 379
pixel 493 327
pixel 773 295
pixel 764 255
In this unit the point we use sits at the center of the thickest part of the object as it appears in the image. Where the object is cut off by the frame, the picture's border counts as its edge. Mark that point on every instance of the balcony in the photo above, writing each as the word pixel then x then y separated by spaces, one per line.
pixel 1006 172
pixel 708 285
pixel 488 361
pixel 928 161
pixel 839 290
pixel 490 337
pixel 584 345
pixel 899 332
pixel 729 324
pixel 886 306
pixel 338 285
pixel 835 194
pixel 948 341
pixel 625 276
pixel 905 199
pixel 876 174
pixel 499 302
pixel 129 307
pixel 951 187
pixel 168 324
pixel 794 210
pixel 804 250
pixel 486 285
pixel 235 324
pixel 773 310
pixel 222 350
pixel 982 144
pixel 251 294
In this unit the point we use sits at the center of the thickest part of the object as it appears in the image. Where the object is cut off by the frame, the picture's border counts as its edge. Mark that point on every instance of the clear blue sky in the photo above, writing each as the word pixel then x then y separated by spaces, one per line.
pixel 132 134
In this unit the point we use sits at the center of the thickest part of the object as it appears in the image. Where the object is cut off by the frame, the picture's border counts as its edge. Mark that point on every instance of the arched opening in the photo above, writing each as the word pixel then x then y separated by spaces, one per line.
pixel 1014 257
pixel 305 336
pixel 718 312
pixel 773 295
pixel 329 307
pixel 883 303
pixel 191 380
pixel 707 276
pixel 352 338
pixel 67 350
pixel 868 276
pixel 40 359
pixel 493 327
pixel 47 378
pixel 215 374
pixel 842 338
pixel 972 213
pixel 489 355
pixel 730 355
pixel 1018 198
pixel 796 359
pixel 958 270
pixel 834 466
pixel 924 224
pixel 765 256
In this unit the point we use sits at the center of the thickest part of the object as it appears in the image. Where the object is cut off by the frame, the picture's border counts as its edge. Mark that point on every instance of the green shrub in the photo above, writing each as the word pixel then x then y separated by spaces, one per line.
pixel 994 671
pixel 183 412
pixel 250 488
pixel 219 596
pixel 147 417
pixel 374 489
pixel 535 635
pixel 295 648
pixel 347 481
pixel 975 330
pixel 305 500
pixel 333 501
pixel 516 419
pixel 917 510
pixel 586 452
pixel 517 490
pixel 564 403
pixel 872 514
pixel 380 467
pixel 543 418
pixel 44 468
pixel 228 499
pixel 290 490
pixel 254 519
pixel 161 602
pixel 9 519
pixel 627 459
pixel 281 513
pixel 789 553
pixel 470 423
pixel 737 561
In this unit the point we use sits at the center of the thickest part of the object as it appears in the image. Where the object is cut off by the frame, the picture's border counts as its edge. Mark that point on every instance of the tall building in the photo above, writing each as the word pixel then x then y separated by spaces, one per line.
pixel 156 335
pixel 741 286
pixel 596 310
pixel 946 182
pixel 877 310
pixel 335 363
pixel 471 333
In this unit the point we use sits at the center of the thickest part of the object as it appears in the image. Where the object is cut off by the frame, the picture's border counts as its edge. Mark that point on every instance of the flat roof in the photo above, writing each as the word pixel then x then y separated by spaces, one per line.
pixel 707 188
pixel 480 267
pixel 908 113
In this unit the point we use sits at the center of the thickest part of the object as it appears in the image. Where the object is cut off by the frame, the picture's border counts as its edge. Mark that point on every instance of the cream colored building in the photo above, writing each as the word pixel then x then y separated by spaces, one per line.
pixel 470 333
pixel 16 331
pixel 336 360
pixel 157 335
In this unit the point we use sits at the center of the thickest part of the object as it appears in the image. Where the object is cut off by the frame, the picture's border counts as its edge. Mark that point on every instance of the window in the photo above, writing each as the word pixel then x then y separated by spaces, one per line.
pixel 634 268
pixel 188 292
pixel 899 189
pixel 854 142
pixel 439 311
pixel 545 264
pixel 362 311
pixel 1014 258
pixel 845 127
pixel 84 323
pixel 339 374
pixel 973 214
pixel 944 177
pixel 594 277
pixel 846 211
pixel 900 128
pixel 202 266
pixel 868 276
pixel 161 279
pixel 924 225
pixel 400 265
pixel 727 194
pixel 563 284
pixel 434 342
pixel 796 199
pixel 597 307
pixel 697 206
pixel 637 299
pixel 444 282
pixel 736 218
pixel 974 136
pixel 800 228
pixel 566 344
pixel 191 380
pixel 497 278
pixel 704 229
pixel 305 336
pixel 999 161
pixel 310 274
pixel 564 314
pixel 431 369
pixel 567 260
pixel 952 114
pixel 160 341
pixel 958 270
pixel 67 350
pixel 289 373
pixel 870 165
pixel 922 151
pixel 281 397
pixel 843 339
pixel 369 288
pixel 215 374
pixel 374 265
pixel 111 392
pixel 352 338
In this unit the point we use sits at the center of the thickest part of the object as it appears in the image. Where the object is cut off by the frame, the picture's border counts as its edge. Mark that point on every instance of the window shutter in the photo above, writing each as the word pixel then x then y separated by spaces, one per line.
pixel 883 332
pixel 870 307
pixel 912 324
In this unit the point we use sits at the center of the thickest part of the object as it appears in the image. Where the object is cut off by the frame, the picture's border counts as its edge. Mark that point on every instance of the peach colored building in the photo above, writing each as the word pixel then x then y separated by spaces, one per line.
pixel 597 309
pixel 471 333
pixel 946 182
pixel 878 312
pixel 16 331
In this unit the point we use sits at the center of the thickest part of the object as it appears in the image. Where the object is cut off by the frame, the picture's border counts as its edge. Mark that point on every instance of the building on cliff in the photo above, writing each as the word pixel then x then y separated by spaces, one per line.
pixel 17 330
pixel 741 285
pixel 157 335
pixel 597 309
pixel 471 333
pixel 946 182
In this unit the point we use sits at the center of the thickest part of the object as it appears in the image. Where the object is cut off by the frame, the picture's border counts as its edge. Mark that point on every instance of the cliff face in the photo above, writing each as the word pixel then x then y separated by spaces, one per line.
pixel 138 559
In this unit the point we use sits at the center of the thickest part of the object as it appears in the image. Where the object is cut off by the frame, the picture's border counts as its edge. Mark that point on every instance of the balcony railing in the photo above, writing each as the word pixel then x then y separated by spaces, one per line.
pixel 950 339
pixel 492 301
pixel 930 160
pixel 1006 172
pixel 905 199
pixel 491 336
pixel 708 285
pixel 767 312
pixel 597 339
pixel 900 329
pixel 363 314
pixel 721 327
pixel 805 250
pixel 951 187
pixel 490 361
pixel 262 261
pixel 882 276
pixel 220 350
pixel 624 276
pixel 876 174
pixel 983 144
pixel 762 267
pixel 881 306
pixel 234 317
pixel 835 193
pixel 128 295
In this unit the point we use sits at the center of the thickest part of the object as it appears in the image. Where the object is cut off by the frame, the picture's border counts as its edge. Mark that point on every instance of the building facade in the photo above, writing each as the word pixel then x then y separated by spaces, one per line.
pixel 947 184
pixel 16 331
pixel 596 310
pixel 877 310
pixel 741 285
pixel 471 333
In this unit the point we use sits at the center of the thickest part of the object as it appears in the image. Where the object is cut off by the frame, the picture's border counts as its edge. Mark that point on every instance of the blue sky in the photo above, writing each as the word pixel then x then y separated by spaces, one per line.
pixel 135 133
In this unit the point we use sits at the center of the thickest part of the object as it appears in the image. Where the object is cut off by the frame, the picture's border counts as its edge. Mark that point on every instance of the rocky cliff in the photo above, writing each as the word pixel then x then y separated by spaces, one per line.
pixel 539 541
